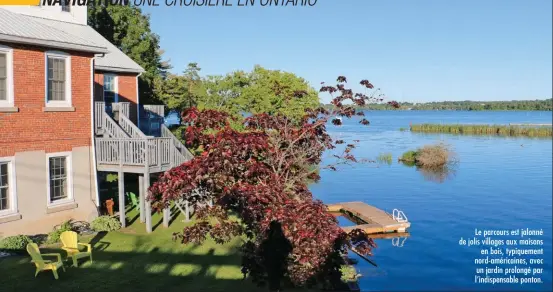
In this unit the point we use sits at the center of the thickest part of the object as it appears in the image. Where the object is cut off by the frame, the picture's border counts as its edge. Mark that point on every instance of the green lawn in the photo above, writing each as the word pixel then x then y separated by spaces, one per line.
pixel 131 260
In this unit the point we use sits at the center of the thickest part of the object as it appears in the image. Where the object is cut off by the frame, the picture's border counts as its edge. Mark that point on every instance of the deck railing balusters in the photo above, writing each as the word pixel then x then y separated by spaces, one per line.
pixel 123 145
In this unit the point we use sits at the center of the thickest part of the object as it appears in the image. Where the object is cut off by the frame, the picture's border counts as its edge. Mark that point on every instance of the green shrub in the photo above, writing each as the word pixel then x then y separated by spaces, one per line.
pixel 54 236
pixel 106 223
pixel 349 273
pixel 17 243
pixel 409 156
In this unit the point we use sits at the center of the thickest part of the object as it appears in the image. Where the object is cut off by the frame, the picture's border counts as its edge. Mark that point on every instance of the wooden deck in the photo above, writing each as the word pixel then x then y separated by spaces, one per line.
pixel 122 146
pixel 370 219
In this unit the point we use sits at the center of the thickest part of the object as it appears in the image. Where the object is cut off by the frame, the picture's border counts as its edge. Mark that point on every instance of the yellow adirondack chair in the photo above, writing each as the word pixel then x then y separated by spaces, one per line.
pixel 42 264
pixel 71 246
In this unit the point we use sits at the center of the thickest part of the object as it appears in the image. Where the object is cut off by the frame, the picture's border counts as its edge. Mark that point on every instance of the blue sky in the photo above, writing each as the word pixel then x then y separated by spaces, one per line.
pixel 414 50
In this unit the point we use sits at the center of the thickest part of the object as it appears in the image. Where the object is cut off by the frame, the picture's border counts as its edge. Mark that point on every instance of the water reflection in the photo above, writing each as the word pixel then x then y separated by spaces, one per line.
pixel 437 174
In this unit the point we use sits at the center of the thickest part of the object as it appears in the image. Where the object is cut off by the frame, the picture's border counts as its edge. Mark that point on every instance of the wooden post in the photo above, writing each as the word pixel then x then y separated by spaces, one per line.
pixel 166 215
pixel 159 153
pixel 121 149
pixel 172 155
pixel 141 198
pixel 148 206
pixel 187 211
pixel 121 181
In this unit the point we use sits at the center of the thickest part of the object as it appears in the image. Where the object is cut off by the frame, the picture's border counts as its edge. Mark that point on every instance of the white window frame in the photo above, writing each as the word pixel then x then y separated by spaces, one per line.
pixel 69 162
pixel 9 102
pixel 115 87
pixel 12 187
pixel 67 58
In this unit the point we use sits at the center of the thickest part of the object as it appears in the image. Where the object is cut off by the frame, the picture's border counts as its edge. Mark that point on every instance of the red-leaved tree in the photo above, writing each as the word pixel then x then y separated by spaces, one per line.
pixel 257 177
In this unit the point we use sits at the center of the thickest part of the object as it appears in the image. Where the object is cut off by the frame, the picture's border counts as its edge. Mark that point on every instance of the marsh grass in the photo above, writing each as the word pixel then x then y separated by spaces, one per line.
pixel 496 130
pixel 408 157
pixel 384 158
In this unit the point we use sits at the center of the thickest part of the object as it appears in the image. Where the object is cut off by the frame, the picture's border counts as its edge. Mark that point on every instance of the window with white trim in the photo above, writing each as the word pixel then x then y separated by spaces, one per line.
pixel 58 79
pixel 59 178
pixel 8 201
pixel 110 89
pixel 6 76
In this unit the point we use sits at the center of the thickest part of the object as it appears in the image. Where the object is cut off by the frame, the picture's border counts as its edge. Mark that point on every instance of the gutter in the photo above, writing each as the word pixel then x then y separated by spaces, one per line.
pixel 95 169
pixel 138 101
pixel 119 69
pixel 52 44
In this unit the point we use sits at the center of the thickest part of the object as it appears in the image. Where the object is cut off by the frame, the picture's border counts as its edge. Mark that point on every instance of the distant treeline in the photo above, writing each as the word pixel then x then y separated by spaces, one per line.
pixel 513 105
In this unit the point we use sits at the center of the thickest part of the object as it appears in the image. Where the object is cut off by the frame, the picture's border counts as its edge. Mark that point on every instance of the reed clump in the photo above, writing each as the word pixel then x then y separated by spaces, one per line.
pixel 384 158
pixel 499 130
pixel 436 155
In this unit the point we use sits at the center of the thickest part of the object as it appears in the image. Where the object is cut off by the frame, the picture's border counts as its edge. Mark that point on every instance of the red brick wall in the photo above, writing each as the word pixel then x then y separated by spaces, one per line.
pixel 33 129
pixel 126 86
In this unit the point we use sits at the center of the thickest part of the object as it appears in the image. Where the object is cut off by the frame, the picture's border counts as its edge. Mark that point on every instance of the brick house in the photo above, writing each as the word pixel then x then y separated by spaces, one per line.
pixel 69 113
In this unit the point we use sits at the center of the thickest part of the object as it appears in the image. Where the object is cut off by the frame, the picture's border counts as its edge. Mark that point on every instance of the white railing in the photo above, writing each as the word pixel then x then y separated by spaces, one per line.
pixel 156 109
pixel 151 152
pixel 99 110
pixel 121 151
pixel 165 132
pixel 159 149
pixel 124 144
pixel 103 121
pixel 122 107
pixel 112 128
pixel 130 127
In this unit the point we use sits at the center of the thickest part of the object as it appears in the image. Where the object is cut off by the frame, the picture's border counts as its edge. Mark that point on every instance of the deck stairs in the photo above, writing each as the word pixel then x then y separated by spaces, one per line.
pixel 122 146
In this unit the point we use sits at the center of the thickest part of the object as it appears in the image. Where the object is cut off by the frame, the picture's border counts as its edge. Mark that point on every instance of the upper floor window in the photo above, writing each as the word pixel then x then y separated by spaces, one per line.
pixel 6 77
pixel 58 79
pixel 65 6
pixel 110 89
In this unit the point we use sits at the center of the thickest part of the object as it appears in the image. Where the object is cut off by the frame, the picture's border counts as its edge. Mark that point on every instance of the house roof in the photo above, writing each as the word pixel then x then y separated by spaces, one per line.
pixel 19 28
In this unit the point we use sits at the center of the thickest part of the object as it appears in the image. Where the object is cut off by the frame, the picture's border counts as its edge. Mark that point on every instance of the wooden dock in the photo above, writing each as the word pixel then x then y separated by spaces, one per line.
pixel 371 219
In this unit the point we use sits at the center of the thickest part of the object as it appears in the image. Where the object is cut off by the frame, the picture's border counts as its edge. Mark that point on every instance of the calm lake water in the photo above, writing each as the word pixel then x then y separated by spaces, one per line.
pixel 499 183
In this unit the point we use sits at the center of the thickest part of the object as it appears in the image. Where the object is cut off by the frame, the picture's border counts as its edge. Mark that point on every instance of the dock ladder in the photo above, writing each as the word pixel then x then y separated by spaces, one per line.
pixel 399 216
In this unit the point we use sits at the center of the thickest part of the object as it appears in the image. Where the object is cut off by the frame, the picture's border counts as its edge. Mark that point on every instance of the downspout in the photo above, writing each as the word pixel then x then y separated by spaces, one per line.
pixel 96 186
pixel 138 101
